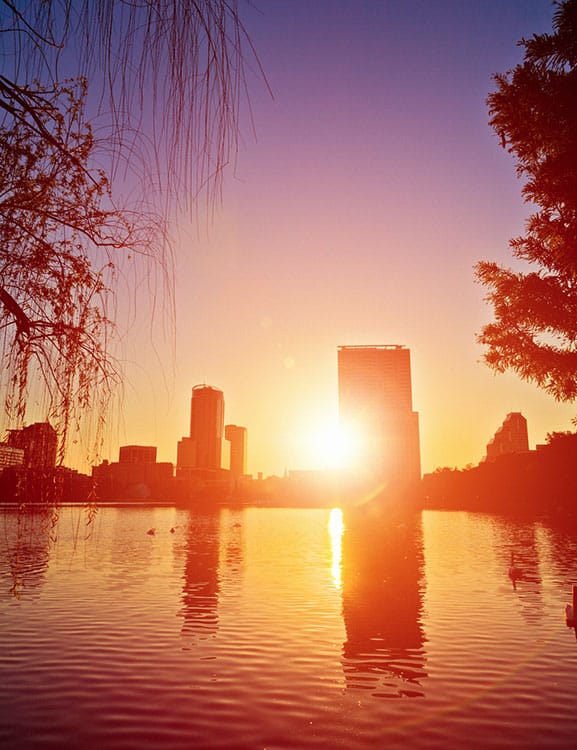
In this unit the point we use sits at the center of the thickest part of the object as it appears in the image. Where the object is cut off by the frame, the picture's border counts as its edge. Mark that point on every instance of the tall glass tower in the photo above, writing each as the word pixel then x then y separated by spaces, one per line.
pixel 207 425
pixel 202 450
pixel 376 406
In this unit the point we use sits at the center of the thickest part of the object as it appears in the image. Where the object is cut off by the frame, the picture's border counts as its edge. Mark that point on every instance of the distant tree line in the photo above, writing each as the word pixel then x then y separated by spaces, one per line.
pixel 540 482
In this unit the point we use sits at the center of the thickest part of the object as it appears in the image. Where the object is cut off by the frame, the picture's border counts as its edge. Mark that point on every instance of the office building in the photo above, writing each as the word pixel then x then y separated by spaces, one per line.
pixel 375 406
pixel 136 474
pixel 185 456
pixel 39 442
pixel 203 448
pixel 237 438
pixel 10 456
pixel 511 437
pixel 137 454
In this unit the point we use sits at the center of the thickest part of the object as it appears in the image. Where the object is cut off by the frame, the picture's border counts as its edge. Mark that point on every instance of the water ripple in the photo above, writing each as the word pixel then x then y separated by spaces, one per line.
pixel 235 632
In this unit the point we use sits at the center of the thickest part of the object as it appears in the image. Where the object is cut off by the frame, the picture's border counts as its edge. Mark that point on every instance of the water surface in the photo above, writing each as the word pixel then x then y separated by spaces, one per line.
pixel 284 628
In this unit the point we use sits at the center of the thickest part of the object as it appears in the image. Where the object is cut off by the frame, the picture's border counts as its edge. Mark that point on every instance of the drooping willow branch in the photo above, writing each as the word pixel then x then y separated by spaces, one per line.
pixel 169 76
pixel 167 79
pixel 61 241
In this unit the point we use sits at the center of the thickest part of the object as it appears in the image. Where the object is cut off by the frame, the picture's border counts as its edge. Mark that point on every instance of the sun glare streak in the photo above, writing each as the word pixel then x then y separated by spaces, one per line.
pixel 336 528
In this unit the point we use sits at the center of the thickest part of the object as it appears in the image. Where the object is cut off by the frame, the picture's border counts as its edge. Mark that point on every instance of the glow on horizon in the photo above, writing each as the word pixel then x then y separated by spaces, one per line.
pixel 355 217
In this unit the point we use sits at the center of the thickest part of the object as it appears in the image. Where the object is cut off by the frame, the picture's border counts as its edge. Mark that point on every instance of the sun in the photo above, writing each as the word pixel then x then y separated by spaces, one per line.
pixel 336 448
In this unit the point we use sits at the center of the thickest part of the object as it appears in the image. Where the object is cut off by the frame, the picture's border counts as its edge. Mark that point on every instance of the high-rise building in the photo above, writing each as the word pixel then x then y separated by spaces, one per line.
pixel 202 450
pixel 185 456
pixel 375 405
pixel 511 437
pixel 39 442
pixel 237 437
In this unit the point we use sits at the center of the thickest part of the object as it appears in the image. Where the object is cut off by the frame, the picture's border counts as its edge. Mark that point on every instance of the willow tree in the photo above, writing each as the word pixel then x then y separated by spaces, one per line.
pixel 534 112
pixel 165 82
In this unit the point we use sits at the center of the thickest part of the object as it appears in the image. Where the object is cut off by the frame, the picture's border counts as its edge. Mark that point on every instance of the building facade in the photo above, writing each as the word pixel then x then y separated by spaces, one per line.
pixel 137 454
pixel 203 448
pixel 39 442
pixel 236 436
pixel 511 437
pixel 10 456
pixel 136 475
pixel 376 407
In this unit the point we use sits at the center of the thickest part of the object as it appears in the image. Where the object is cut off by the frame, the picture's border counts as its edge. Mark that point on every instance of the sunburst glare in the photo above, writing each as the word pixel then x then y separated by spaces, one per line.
pixel 336 448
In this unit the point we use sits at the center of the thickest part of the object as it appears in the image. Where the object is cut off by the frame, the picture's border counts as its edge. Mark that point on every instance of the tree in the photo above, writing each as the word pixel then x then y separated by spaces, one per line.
pixel 59 236
pixel 166 80
pixel 534 112
pixel 167 77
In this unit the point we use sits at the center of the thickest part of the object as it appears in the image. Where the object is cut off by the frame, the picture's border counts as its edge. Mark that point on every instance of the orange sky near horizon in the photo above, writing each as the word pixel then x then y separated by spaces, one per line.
pixel 355 216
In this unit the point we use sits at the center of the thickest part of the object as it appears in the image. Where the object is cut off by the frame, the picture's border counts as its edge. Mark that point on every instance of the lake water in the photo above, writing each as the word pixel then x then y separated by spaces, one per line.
pixel 284 628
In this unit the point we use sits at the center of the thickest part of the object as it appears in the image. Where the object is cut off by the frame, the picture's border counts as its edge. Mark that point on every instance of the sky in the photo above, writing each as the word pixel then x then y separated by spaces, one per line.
pixel 358 205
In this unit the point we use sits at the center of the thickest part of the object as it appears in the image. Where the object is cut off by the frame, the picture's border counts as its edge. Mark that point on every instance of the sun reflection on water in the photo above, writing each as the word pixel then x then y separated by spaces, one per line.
pixel 336 528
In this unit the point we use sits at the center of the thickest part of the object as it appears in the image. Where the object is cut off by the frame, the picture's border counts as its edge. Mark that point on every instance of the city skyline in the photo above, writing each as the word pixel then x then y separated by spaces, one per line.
pixel 376 377
pixel 355 214
pixel 377 434
pixel 277 283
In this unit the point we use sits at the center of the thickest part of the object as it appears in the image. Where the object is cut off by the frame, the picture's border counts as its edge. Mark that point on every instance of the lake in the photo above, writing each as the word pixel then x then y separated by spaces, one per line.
pixel 284 628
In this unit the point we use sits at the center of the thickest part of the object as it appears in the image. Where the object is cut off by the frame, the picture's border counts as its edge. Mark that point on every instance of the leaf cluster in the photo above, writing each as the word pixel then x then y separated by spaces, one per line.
pixel 534 112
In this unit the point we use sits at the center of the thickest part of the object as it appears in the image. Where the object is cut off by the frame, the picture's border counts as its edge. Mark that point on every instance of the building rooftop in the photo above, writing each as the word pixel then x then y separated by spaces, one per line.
pixel 373 346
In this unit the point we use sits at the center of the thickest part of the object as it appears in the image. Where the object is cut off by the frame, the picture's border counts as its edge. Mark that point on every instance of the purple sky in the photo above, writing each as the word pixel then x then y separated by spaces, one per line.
pixel 354 215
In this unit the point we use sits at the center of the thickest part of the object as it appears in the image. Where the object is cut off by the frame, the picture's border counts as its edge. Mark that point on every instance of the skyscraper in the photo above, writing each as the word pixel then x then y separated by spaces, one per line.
pixel 375 404
pixel 202 450
pixel 237 437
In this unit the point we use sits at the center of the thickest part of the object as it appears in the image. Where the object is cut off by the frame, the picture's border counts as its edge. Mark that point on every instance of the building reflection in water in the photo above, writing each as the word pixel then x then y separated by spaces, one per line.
pixel 201 583
pixel 232 550
pixel 382 593
pixel 25 544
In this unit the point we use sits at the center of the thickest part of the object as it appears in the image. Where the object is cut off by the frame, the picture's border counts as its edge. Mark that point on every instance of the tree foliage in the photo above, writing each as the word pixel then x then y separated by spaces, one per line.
pixel 534 112
pixel 166 80
pixel 168 76
pixel 59 237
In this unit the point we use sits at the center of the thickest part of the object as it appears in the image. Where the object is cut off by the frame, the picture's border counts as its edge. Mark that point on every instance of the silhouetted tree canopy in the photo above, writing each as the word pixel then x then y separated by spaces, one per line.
pixel 146 94
pixel 560 437
pixel 534 113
